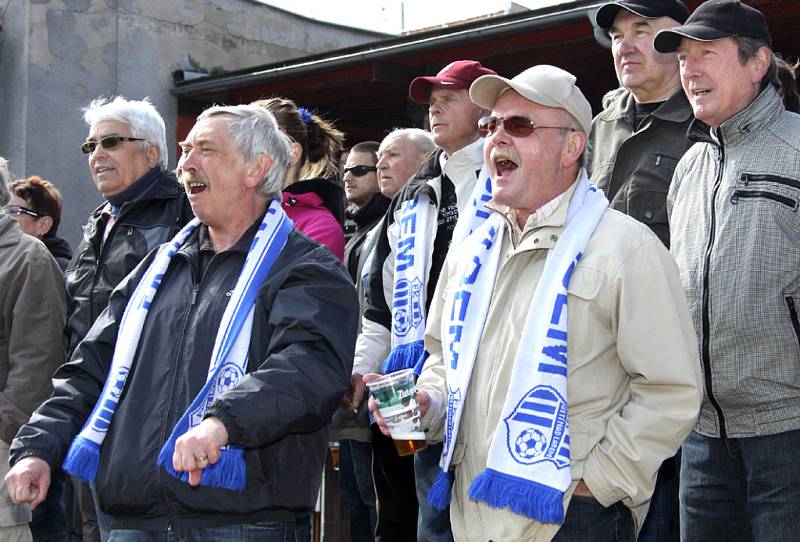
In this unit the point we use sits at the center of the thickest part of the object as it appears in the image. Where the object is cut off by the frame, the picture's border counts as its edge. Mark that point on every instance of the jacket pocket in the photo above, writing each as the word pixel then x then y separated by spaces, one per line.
pixel 792 306
pixel 739 195
pixel 748 178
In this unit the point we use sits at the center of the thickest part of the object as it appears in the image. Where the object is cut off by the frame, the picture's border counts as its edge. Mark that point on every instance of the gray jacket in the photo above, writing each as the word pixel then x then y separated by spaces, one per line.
pixel 735 226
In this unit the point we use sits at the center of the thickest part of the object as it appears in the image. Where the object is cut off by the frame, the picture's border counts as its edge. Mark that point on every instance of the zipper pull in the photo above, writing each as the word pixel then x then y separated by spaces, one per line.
pixel 194 296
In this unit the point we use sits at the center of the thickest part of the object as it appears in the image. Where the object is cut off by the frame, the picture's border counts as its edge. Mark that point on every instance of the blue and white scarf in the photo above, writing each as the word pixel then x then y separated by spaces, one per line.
pixel 411 272
pixel 528 466
pixel 228 362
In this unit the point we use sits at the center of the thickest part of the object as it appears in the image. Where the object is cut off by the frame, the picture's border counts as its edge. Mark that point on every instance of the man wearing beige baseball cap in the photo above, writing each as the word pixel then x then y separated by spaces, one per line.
pixel 553 279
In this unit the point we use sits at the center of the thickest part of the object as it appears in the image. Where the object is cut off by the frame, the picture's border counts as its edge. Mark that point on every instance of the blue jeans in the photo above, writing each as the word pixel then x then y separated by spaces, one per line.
pixel 741 489
pixel 265 531
pixel 432 525
pixel 357 490
pixel 588 521
pixel 661 524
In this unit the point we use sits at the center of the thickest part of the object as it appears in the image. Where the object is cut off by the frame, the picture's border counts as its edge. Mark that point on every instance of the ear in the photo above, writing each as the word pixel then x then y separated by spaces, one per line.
pixel 153 154
pixel 761 62
pixel 257 171
pixel 44 224
pixel 297 151
pixel 574 145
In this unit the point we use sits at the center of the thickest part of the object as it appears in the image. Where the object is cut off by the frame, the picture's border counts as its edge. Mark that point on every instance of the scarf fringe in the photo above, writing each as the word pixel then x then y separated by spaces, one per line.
pixel 440 492
pixel 229 472
pixel 83 459
pixel 421 362
pixel 405 356
pixel 523 497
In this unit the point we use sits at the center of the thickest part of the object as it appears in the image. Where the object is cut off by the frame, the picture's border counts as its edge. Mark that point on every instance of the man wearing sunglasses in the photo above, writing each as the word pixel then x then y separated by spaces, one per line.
pixel 553 280
pixel 143 207
pixel 32 345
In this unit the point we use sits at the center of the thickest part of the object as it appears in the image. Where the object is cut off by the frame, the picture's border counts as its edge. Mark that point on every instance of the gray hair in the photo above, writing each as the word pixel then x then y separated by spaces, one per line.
pixel 421 139
pixel 255 132
pixel 5 178
pixel 748 47
pixel 140 115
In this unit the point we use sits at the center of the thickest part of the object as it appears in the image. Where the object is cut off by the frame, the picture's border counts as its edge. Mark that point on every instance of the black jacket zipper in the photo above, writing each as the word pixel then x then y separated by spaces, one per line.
pixel 748 178
pixel 785 200
pixel 706 320
pixel 793 317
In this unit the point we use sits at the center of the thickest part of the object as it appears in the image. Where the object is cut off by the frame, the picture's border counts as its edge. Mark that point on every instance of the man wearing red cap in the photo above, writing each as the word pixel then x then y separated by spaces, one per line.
pixel 443 202
pixel 735 226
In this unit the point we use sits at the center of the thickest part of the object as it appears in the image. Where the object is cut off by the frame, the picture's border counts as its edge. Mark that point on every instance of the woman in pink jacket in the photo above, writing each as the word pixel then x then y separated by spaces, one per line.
pixel 315 203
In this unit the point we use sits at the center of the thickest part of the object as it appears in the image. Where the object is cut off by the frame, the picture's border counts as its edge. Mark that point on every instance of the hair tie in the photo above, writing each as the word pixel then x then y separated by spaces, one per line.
pixel 305 114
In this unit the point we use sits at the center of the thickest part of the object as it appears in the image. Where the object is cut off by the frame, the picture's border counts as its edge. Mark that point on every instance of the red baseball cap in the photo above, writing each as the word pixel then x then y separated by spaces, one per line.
pixel 457 75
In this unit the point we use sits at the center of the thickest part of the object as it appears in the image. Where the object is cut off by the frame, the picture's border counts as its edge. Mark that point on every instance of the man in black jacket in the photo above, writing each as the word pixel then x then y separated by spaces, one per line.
pixel 297 362
pixel 143 207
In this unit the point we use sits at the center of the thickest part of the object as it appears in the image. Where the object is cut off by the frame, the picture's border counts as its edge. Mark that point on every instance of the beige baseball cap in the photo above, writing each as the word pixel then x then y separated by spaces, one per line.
pixel 542 84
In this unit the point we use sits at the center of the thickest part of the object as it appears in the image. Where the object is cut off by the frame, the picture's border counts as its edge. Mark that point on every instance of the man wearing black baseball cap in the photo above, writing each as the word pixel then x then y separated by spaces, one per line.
pixel 735 226
pixel 632 151
pixel 638 138
pixel 450 181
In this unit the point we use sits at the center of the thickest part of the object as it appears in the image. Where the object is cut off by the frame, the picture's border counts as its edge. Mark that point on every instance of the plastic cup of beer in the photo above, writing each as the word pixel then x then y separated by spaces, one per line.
pixel 394 395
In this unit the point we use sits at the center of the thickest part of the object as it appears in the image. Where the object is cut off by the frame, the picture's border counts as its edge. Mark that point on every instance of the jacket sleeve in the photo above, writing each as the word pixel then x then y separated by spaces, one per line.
pixel 311 331
pixel 34 330
pixel 657 348
pixel 374 341
pixel 76 384
pixel 433 379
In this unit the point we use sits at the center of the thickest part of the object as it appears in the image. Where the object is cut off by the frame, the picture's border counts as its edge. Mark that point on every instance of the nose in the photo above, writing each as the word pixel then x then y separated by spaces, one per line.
pixel 626 46
pixel 382 163
pixel 347 177
pixel 689 67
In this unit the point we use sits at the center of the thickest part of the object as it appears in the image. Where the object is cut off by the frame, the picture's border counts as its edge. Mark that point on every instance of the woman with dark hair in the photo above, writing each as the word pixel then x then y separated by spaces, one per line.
pixel 311 196
pixel 36 205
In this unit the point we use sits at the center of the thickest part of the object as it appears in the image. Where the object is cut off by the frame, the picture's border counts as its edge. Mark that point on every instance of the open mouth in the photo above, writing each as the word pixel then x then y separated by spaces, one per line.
pixel 503 162
pixel 195 187
pixel 102 169
pixel 701 92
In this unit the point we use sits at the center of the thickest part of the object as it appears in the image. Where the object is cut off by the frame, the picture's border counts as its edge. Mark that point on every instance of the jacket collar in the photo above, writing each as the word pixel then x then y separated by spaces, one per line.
pixel 431 168
pixel 762 111
pixel 675 109
pixel 10 232
pixel 165 187
pixel 330 193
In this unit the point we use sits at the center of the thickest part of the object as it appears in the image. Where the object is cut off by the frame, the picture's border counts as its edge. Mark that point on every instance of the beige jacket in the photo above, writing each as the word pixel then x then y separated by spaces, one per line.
pixel 634 384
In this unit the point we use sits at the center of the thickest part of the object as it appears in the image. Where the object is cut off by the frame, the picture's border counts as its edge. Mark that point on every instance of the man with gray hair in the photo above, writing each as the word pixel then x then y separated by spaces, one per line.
pixel 32 342
pixel 220 376
pixel 143 207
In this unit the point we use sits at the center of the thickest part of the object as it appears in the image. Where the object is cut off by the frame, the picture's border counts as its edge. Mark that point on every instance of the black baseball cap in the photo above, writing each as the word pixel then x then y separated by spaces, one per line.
pixel 715 20
pixel 649 9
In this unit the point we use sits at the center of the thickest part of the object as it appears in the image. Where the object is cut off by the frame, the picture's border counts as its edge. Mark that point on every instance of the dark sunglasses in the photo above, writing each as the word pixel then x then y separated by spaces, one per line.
pixel 359 171
pixel 18 210
pixel 108 142
pixel 515 126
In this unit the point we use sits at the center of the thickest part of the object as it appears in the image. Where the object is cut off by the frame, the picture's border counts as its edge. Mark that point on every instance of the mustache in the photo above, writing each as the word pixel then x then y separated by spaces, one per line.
pixel 186 177
pixel 497 154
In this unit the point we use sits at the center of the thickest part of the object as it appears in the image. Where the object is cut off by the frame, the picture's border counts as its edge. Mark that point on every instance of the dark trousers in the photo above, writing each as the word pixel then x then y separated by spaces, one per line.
pixel 264 531
pixel 744 489
pixel 433 524
pixel 661 524
pixel 49 523
pixel 357 490
pixel 395 489
pixel 588 521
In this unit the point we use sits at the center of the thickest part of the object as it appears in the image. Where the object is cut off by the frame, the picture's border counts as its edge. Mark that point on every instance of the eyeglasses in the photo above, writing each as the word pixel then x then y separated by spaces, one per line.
pixel 19 210
pixel 108 142
pixel 515 126
pixel 359 171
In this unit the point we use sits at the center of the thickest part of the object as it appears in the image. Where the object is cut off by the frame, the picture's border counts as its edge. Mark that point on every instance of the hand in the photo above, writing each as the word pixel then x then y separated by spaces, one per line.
pixel 355 393
pixel 423 402
pixel 199 448
pixel 582 490
pixel 28 481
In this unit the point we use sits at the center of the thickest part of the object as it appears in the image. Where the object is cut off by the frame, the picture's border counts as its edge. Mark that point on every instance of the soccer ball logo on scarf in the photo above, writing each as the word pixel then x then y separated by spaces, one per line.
pixel 530 443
